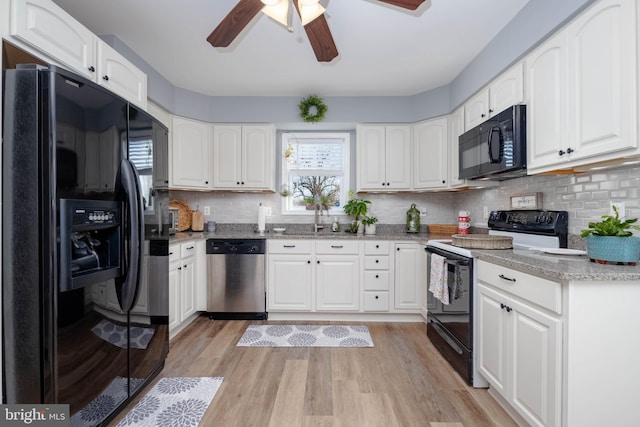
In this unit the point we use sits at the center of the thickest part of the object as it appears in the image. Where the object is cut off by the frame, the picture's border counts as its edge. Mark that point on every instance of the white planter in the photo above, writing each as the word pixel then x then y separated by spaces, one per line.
pixel 370 229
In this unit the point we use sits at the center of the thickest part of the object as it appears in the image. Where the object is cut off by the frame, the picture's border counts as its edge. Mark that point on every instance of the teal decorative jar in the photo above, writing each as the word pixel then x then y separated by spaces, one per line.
pixel 613 248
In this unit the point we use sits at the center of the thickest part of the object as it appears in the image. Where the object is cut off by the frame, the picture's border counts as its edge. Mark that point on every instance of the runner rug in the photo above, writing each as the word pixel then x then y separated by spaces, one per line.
pixel 305 336
pixel 180 401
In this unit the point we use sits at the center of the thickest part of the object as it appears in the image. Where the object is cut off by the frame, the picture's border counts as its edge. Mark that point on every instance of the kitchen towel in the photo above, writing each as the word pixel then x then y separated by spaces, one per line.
pixel 262 218
pixel 438 278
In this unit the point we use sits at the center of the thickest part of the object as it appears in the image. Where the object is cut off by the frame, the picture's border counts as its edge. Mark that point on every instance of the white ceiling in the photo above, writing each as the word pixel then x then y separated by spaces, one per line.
pixel 384 50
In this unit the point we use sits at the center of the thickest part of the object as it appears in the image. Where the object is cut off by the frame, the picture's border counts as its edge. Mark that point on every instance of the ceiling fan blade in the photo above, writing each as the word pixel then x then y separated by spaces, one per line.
pixel 234 22
pixel 320 37
pixel 405 4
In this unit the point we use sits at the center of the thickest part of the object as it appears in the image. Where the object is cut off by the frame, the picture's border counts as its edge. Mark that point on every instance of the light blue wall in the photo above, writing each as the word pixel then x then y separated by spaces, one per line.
pixel 532 24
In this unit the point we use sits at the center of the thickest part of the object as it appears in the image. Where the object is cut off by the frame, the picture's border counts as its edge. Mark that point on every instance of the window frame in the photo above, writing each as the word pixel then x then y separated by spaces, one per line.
pixel 290 138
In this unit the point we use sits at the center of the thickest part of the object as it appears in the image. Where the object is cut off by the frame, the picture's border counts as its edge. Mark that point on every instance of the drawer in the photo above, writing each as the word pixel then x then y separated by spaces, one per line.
pixel 376 248
pixel 174 252
pixel 372 262
pixel 337 247
pixel 187 249
pixel 376 281
pixel 289 246
pixel 376 301
pixel 545 293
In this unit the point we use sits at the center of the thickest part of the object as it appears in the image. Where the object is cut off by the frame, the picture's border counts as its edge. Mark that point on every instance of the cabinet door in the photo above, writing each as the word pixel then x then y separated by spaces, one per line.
pixel 506 90
pixel 536 360
pixel 289 283
pixel 493 336
pixel 174 294
pixel 201 275
pixel 371 158
pixel 410 276
pixel 120 76
pixel 430 154
pixel 160 157
pixel 398 157
pixel 456 128
pixel 227 157
pixel 603 53
pixel 476 110
pixel 190 151
pixel 258 157
pixel 337 283
pixel 187 288
pixel 546 69
pixel 47 27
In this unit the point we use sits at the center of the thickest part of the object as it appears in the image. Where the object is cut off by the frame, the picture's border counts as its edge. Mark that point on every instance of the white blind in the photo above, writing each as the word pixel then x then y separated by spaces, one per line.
pixel 315 156
pixel 141 154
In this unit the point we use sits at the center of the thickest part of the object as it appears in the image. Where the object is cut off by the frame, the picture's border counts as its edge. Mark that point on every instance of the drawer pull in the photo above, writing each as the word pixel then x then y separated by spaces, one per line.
pixel 170 253
pixel 377 246
pixel 377 297
pixel 337 246
pixel 502 276
pixel 288 246
pixel 189 248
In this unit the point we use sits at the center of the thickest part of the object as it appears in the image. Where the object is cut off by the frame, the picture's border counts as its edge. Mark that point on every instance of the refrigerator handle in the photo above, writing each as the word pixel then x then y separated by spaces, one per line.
pixel 130 185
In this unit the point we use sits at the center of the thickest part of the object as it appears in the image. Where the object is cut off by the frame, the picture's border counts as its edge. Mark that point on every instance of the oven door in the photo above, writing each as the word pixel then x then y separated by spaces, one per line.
pixel 456 316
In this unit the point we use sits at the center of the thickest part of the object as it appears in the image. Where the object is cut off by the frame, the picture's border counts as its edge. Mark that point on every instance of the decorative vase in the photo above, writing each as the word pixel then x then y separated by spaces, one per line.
pixel 613 249
pixel 370 229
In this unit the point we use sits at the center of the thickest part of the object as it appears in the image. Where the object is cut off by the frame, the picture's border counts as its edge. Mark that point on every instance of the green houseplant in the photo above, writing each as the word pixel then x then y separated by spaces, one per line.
pixel 370 224
pixel 612 239
pixel 357 208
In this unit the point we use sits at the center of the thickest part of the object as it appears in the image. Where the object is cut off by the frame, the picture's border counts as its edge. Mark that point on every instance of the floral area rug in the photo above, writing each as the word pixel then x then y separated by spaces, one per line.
pixel 102 406
pixel 117 335
pixel 174 402
pixel 305 336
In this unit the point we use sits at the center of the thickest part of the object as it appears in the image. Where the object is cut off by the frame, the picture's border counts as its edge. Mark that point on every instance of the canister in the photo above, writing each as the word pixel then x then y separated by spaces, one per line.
pixel 413 219
pixel 464 222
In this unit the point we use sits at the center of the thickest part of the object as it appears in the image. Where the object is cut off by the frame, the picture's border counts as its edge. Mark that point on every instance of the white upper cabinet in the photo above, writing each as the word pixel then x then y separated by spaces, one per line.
pixel 582 90
pixel 244 157
pixel 47 27
pixel 383 157
pixel 118 75
pixel 456 128
pixel 431 164
pixel 190 154
pixel 502 93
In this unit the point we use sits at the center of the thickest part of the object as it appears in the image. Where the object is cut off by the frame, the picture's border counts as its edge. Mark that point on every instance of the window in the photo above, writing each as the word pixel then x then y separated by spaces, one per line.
pixel 315 167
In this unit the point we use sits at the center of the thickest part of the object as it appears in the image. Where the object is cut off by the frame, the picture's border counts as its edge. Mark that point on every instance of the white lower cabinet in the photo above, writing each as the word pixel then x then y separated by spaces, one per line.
pixel 337 283
pixel 289 281
pixel 376 276
pixel 410 276
pixel 520 342
pixel 183 286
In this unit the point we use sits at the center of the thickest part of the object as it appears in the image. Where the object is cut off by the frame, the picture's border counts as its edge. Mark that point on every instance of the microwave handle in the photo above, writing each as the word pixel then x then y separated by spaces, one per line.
pixel 490 140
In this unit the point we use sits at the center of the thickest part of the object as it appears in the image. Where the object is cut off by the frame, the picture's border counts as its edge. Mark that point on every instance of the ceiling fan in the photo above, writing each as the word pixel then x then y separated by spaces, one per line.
pixel 311 14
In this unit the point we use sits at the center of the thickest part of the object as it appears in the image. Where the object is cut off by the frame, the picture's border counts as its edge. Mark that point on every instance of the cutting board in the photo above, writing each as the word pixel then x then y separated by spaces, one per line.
pixel 197 221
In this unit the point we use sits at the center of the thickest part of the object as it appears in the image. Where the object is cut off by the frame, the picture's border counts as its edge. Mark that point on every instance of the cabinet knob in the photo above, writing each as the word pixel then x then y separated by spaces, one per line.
pixel 377 297
pixel 483 115
pixel 502 306
pixel 179 268
pixel 561 153
pixel 206 182
pixel 443 181
pixel 105 78
pixel 185 266
pixel 569 150
pixel 377 246
pixel 317 262
pixel 490 110
pixel 509 309
pixel 92 69
pixel 377 261
pixel 242 183
pixel 237 182
pixel 383 184
pixel 309 262
pixel 377 276
pixel 388 184
pixel 398 249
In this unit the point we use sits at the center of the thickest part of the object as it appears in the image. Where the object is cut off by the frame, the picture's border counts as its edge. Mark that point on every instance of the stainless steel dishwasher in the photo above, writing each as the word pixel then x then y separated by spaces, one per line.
pixel 236 279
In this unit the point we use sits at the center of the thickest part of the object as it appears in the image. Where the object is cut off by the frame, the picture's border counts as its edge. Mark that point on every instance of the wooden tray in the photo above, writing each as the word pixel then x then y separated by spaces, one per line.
pixel 481 241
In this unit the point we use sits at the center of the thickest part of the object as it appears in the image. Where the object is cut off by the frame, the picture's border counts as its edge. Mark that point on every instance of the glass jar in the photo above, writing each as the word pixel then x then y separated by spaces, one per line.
pixel 413 219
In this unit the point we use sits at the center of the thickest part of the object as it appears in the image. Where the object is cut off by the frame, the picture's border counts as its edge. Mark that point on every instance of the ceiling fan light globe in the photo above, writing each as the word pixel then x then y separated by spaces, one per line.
pixel 279 11
pixel 269 2
pixel 307 2
pixel 310 12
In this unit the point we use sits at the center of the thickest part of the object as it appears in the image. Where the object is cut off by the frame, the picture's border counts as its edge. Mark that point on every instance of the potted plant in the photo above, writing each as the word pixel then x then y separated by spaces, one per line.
pixel 370 224
pixel 358 209
pixel 612 240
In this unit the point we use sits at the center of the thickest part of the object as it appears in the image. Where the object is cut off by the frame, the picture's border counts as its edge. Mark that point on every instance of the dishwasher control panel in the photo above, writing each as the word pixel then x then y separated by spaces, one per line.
pixel 236 246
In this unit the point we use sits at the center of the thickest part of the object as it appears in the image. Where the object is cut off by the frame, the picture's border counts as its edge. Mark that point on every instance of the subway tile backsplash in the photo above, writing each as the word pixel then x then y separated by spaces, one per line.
pixel 586 197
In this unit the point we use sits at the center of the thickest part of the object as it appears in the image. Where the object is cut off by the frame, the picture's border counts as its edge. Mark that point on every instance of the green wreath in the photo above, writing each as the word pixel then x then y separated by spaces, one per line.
pixel 309 102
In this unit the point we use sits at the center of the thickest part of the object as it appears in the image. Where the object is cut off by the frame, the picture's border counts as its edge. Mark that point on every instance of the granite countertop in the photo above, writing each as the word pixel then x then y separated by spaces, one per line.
pixel 561 268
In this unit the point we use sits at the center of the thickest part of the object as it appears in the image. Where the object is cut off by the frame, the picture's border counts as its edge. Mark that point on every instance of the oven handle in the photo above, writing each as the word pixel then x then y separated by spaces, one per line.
pixel 460 260
pixel 445 337
pixel 457 263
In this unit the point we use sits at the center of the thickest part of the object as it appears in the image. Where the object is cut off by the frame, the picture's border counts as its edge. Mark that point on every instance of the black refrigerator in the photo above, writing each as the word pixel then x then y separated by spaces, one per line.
pixel 84 287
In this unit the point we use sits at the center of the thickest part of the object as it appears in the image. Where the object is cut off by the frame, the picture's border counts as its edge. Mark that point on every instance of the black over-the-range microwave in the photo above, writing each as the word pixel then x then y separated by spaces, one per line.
pixel 497 148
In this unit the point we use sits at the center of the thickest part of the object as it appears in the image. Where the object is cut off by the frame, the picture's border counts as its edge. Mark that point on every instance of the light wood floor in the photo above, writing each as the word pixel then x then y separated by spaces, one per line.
pixel 402 381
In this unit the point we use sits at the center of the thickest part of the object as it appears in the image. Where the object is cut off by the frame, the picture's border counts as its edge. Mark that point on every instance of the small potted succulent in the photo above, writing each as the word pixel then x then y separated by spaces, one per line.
pixel 611 240
pixel 370 224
